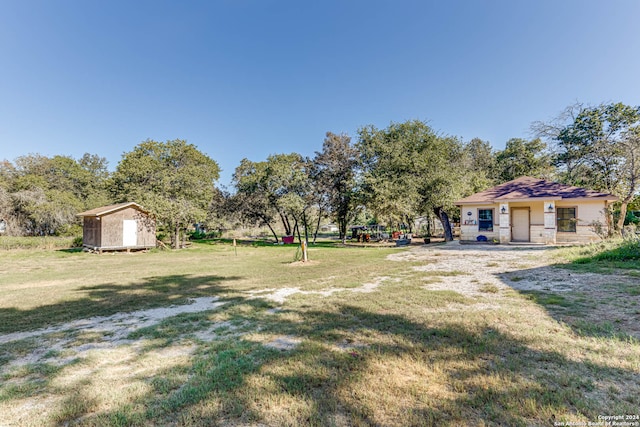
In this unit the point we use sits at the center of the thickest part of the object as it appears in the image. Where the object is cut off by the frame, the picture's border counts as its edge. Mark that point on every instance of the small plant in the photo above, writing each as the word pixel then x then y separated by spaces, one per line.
pixel 489 288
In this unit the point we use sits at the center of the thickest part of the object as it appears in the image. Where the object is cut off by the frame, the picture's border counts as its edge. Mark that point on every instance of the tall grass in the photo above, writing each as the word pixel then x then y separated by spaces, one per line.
pixel 618 253
pixel 39 242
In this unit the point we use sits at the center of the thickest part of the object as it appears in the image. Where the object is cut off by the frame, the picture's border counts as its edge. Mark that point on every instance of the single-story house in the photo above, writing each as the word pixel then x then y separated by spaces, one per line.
pixel 118 227
pixel 534 210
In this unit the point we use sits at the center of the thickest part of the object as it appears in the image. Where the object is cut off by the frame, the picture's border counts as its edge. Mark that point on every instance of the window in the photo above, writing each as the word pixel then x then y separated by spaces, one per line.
pixel 566 218
pixel 485 219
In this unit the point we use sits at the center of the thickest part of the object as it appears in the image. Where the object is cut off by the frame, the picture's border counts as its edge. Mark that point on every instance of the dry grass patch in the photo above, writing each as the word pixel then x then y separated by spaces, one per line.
pixel 371 337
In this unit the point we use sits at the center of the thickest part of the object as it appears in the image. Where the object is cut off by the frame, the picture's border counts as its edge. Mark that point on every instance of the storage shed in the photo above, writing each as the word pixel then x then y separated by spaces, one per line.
pixel 124 226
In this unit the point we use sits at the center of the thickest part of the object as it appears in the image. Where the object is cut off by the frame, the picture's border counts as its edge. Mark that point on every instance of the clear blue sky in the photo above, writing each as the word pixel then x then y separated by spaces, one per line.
pixel 249 78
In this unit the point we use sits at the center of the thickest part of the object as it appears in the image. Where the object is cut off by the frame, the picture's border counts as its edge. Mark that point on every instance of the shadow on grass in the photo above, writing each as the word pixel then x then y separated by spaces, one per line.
pixel 407 374
pixel 71 250
pixel 592 304
pixel 111 298
pixel 270 243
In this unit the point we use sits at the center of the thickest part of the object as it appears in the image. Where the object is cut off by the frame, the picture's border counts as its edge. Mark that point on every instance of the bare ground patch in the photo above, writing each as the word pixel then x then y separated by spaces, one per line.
pixel 607 303
pixel 280 295
pixel 64 343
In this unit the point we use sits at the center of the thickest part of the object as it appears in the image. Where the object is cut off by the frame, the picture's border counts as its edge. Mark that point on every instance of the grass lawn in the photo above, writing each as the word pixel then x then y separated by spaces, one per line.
pixel 436 335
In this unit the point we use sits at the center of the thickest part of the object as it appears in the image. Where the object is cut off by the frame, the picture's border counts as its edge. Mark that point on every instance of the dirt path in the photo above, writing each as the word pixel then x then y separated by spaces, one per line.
pixel 609 300
pixel 112 330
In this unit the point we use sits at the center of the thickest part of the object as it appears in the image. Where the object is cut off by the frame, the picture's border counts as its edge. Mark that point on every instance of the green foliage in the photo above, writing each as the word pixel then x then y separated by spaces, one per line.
pixel 633 217
pixel 335 178
pixel 173 179
pixel 41 195
pixel 481 162
pixel 600 149
pixel 202 235
pixel 606 256
pixel 407 171
pixel 77 242
pixel 522 158
pixel 626 250
pixel 279 187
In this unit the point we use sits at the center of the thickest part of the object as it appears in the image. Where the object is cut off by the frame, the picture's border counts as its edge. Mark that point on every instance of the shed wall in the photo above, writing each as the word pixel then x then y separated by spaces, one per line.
pixel 91 231
pixel 112 229
pixel 146 230
pixel 106 232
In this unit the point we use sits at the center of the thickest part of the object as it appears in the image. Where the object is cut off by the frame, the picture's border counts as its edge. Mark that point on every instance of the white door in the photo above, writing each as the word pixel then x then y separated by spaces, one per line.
pixel 520 225
pixel 129 232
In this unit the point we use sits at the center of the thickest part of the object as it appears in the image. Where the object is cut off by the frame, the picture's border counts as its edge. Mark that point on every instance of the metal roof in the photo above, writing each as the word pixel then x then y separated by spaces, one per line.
pixel 526 188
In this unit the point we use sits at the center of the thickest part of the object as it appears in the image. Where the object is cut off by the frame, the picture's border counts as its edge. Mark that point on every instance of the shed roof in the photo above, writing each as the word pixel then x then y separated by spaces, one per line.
pixel 104 210
pixel 526 187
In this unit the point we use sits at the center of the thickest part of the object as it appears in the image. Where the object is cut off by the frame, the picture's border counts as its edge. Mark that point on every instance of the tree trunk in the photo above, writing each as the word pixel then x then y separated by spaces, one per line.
pixel 296 229
pixel 176 237
pixel 272 230
pixel 624 204
pixel 409 223
pixel 286 224
pixel 446 225
pixel 342 225
pixel 306 227
pixel 315 233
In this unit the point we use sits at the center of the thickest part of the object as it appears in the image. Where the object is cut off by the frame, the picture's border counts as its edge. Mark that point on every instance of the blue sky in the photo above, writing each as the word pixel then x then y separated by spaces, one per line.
pixel 249 78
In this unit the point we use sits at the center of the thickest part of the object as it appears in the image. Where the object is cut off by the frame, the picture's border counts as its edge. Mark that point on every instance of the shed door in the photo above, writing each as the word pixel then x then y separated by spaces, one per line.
pixel 520 225
pixel 129 232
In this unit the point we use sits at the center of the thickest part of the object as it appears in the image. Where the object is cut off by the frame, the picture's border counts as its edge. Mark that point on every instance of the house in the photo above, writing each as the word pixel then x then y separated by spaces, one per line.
pixel 329 228
pixel 118 227
pixel 534 210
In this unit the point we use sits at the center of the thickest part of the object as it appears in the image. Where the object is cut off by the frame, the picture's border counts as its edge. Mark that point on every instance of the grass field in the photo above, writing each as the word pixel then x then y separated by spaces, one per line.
pixel 431 335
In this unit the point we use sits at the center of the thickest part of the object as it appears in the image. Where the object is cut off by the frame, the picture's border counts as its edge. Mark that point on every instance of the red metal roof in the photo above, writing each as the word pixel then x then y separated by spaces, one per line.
pixel 526 187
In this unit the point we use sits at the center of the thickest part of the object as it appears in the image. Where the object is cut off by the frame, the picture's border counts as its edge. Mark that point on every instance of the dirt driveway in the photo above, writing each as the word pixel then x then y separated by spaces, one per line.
pixel 608 303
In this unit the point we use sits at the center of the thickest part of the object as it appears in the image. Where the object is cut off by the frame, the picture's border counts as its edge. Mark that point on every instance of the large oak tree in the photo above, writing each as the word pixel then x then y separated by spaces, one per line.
pixel 409 170
pixel 173 179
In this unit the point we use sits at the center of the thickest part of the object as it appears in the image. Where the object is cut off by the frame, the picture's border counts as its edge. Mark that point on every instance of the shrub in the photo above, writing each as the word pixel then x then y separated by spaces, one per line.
pixel 201 235
pixel 77 242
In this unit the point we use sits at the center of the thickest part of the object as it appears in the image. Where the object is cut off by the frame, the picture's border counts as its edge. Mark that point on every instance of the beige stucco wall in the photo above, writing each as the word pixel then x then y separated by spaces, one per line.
pixel 469 223
pixel 587 212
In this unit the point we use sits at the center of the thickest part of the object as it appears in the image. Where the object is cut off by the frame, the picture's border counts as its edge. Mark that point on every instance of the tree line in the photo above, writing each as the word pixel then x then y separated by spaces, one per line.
pixel 392 175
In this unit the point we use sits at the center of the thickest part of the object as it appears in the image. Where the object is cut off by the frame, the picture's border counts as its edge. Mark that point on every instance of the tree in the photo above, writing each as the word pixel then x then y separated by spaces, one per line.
pixel 335 176
pixel 251 200
pixel 601 148
pixel 482 159
pixel 173 179
pixel 42 195
pixel 407 169
pixel 277 188
pixel 522 158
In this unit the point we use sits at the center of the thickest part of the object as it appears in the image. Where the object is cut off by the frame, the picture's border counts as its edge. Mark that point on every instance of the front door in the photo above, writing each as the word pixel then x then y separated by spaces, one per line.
pixel 520 225
pixel 129 233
